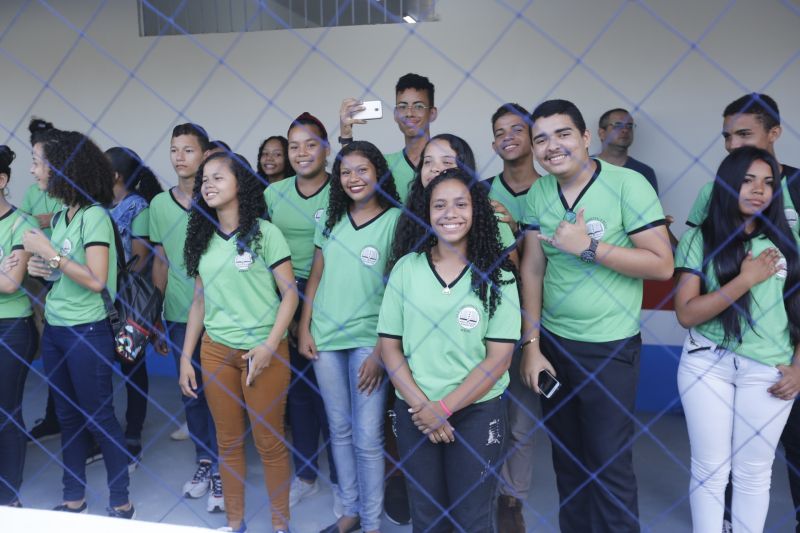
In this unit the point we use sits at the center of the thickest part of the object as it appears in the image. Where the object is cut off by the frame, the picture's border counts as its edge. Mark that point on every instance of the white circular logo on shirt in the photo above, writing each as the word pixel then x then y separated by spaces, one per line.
pixel 318 215
pixel 469 317
pixel 66 247
pixel 781 264
pixel 243 261
pixel 791 216
pixel 595 229
pixel 370 255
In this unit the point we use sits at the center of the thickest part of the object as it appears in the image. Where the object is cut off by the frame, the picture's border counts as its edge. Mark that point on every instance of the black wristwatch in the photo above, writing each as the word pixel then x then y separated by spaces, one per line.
pixel 344 141
pixel 589 255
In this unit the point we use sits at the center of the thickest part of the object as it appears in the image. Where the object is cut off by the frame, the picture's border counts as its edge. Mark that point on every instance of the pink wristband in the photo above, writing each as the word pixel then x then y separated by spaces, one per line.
pixel 447 411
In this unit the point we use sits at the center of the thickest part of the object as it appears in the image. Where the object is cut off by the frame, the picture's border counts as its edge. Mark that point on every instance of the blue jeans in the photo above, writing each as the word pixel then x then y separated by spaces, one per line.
pixel 79 361
pixel 137 386
pixel 356 423
pixel 306 412
pixel 451 487
pixel 198 416
pixel 18 340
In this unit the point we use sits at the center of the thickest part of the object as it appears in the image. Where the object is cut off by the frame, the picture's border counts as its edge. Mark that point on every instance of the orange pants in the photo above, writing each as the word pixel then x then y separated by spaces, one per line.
pixel 224 376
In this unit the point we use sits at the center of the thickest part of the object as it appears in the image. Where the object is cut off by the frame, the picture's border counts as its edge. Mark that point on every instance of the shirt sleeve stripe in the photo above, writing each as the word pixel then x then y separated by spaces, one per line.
pixel 506 341
pixel 96 243
pixel 530 227
pixel 654 224
pixel 280 261
pixel 389 336
pixel 690 271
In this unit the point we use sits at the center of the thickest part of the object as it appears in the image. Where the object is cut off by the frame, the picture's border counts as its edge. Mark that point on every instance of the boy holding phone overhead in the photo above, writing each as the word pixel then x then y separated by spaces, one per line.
pixel 413 111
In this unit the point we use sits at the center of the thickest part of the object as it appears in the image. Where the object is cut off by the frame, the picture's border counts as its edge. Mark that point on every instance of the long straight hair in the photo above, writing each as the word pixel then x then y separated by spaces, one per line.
pixel 725 240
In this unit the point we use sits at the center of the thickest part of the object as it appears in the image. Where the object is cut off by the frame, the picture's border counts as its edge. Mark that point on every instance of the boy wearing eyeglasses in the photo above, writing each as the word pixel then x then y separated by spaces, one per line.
pixel 615 130
pixel 413 111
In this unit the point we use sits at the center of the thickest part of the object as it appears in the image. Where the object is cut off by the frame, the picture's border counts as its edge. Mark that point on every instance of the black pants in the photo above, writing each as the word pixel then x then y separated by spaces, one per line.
pixel 306 411
pixel 137 385
pixel 18 341
pixel 452 486
pixel 590 420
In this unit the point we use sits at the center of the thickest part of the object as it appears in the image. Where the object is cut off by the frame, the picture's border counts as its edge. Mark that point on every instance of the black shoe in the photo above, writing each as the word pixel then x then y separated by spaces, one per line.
pixel 395 501
pixel 334 528
pixel 64 508
pixel 95 454
pixel 135 451
pixel 130 514
pixel 44 430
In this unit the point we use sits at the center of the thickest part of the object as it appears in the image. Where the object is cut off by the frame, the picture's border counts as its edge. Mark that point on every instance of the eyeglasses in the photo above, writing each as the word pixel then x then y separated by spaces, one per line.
pixel 621 125
pixel 417 108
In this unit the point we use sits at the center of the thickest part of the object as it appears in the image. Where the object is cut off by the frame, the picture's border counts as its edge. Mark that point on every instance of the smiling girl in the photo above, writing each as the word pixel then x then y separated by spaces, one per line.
pixel 337 326
pixel 273 160
pixel 245 297
pixel 448 324
pixel 740 366
pixel 442 152
pixel 297 205
pixel 77 342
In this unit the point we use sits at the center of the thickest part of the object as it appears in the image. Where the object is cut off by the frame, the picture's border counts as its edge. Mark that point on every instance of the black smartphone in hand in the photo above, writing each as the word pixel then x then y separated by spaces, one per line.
pixel 548 384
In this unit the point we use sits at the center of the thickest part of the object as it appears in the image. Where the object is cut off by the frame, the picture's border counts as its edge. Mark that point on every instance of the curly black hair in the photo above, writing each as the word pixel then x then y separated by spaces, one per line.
pixel 37 127
pixel 7 155
pixel 288 171
pixel 80 173
pixel 485 252
pixel 385 189
pixel 203 221
pixel 411 229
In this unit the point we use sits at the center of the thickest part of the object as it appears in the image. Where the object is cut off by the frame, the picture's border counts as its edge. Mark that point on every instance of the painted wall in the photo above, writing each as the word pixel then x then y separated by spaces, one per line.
pixel 677 62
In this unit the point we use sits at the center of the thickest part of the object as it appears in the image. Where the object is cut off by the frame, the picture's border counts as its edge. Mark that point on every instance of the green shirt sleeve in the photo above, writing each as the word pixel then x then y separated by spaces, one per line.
pixel 641 208
pixel 506 322
pixel 390 319
pixel 154 229
pixel 530 215
pixel 699 210
pixel 689 255
pixel 23 223
pixel 275 249
pixel 269 198
pixel 97 228
pixel 140 227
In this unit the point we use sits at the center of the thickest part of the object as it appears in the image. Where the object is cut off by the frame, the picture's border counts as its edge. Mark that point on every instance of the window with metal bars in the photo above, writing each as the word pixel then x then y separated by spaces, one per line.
pixel 176 17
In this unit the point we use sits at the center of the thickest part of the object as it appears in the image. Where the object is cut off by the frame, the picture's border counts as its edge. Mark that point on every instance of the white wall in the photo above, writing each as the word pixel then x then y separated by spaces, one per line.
pixel 600 54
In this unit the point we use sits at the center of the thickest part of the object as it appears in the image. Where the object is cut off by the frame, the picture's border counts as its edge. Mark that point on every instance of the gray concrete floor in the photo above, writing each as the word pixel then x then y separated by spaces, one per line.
pixel 661 455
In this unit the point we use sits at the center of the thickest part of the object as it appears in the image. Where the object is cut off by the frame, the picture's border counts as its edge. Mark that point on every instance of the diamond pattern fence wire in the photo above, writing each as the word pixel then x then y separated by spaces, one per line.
pixel 83 66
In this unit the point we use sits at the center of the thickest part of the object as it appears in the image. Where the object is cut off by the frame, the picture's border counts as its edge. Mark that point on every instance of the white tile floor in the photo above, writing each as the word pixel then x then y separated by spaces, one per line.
pixel 661 454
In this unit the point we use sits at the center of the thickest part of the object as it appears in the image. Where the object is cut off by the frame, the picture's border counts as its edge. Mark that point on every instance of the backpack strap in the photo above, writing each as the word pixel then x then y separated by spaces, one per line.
pixel 113 314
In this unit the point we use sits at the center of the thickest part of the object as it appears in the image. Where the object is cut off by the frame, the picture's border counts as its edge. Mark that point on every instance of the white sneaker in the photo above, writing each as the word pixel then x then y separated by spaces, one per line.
pixel 300 489
pixel 182 433
pixel 200 482
pixel 216 501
